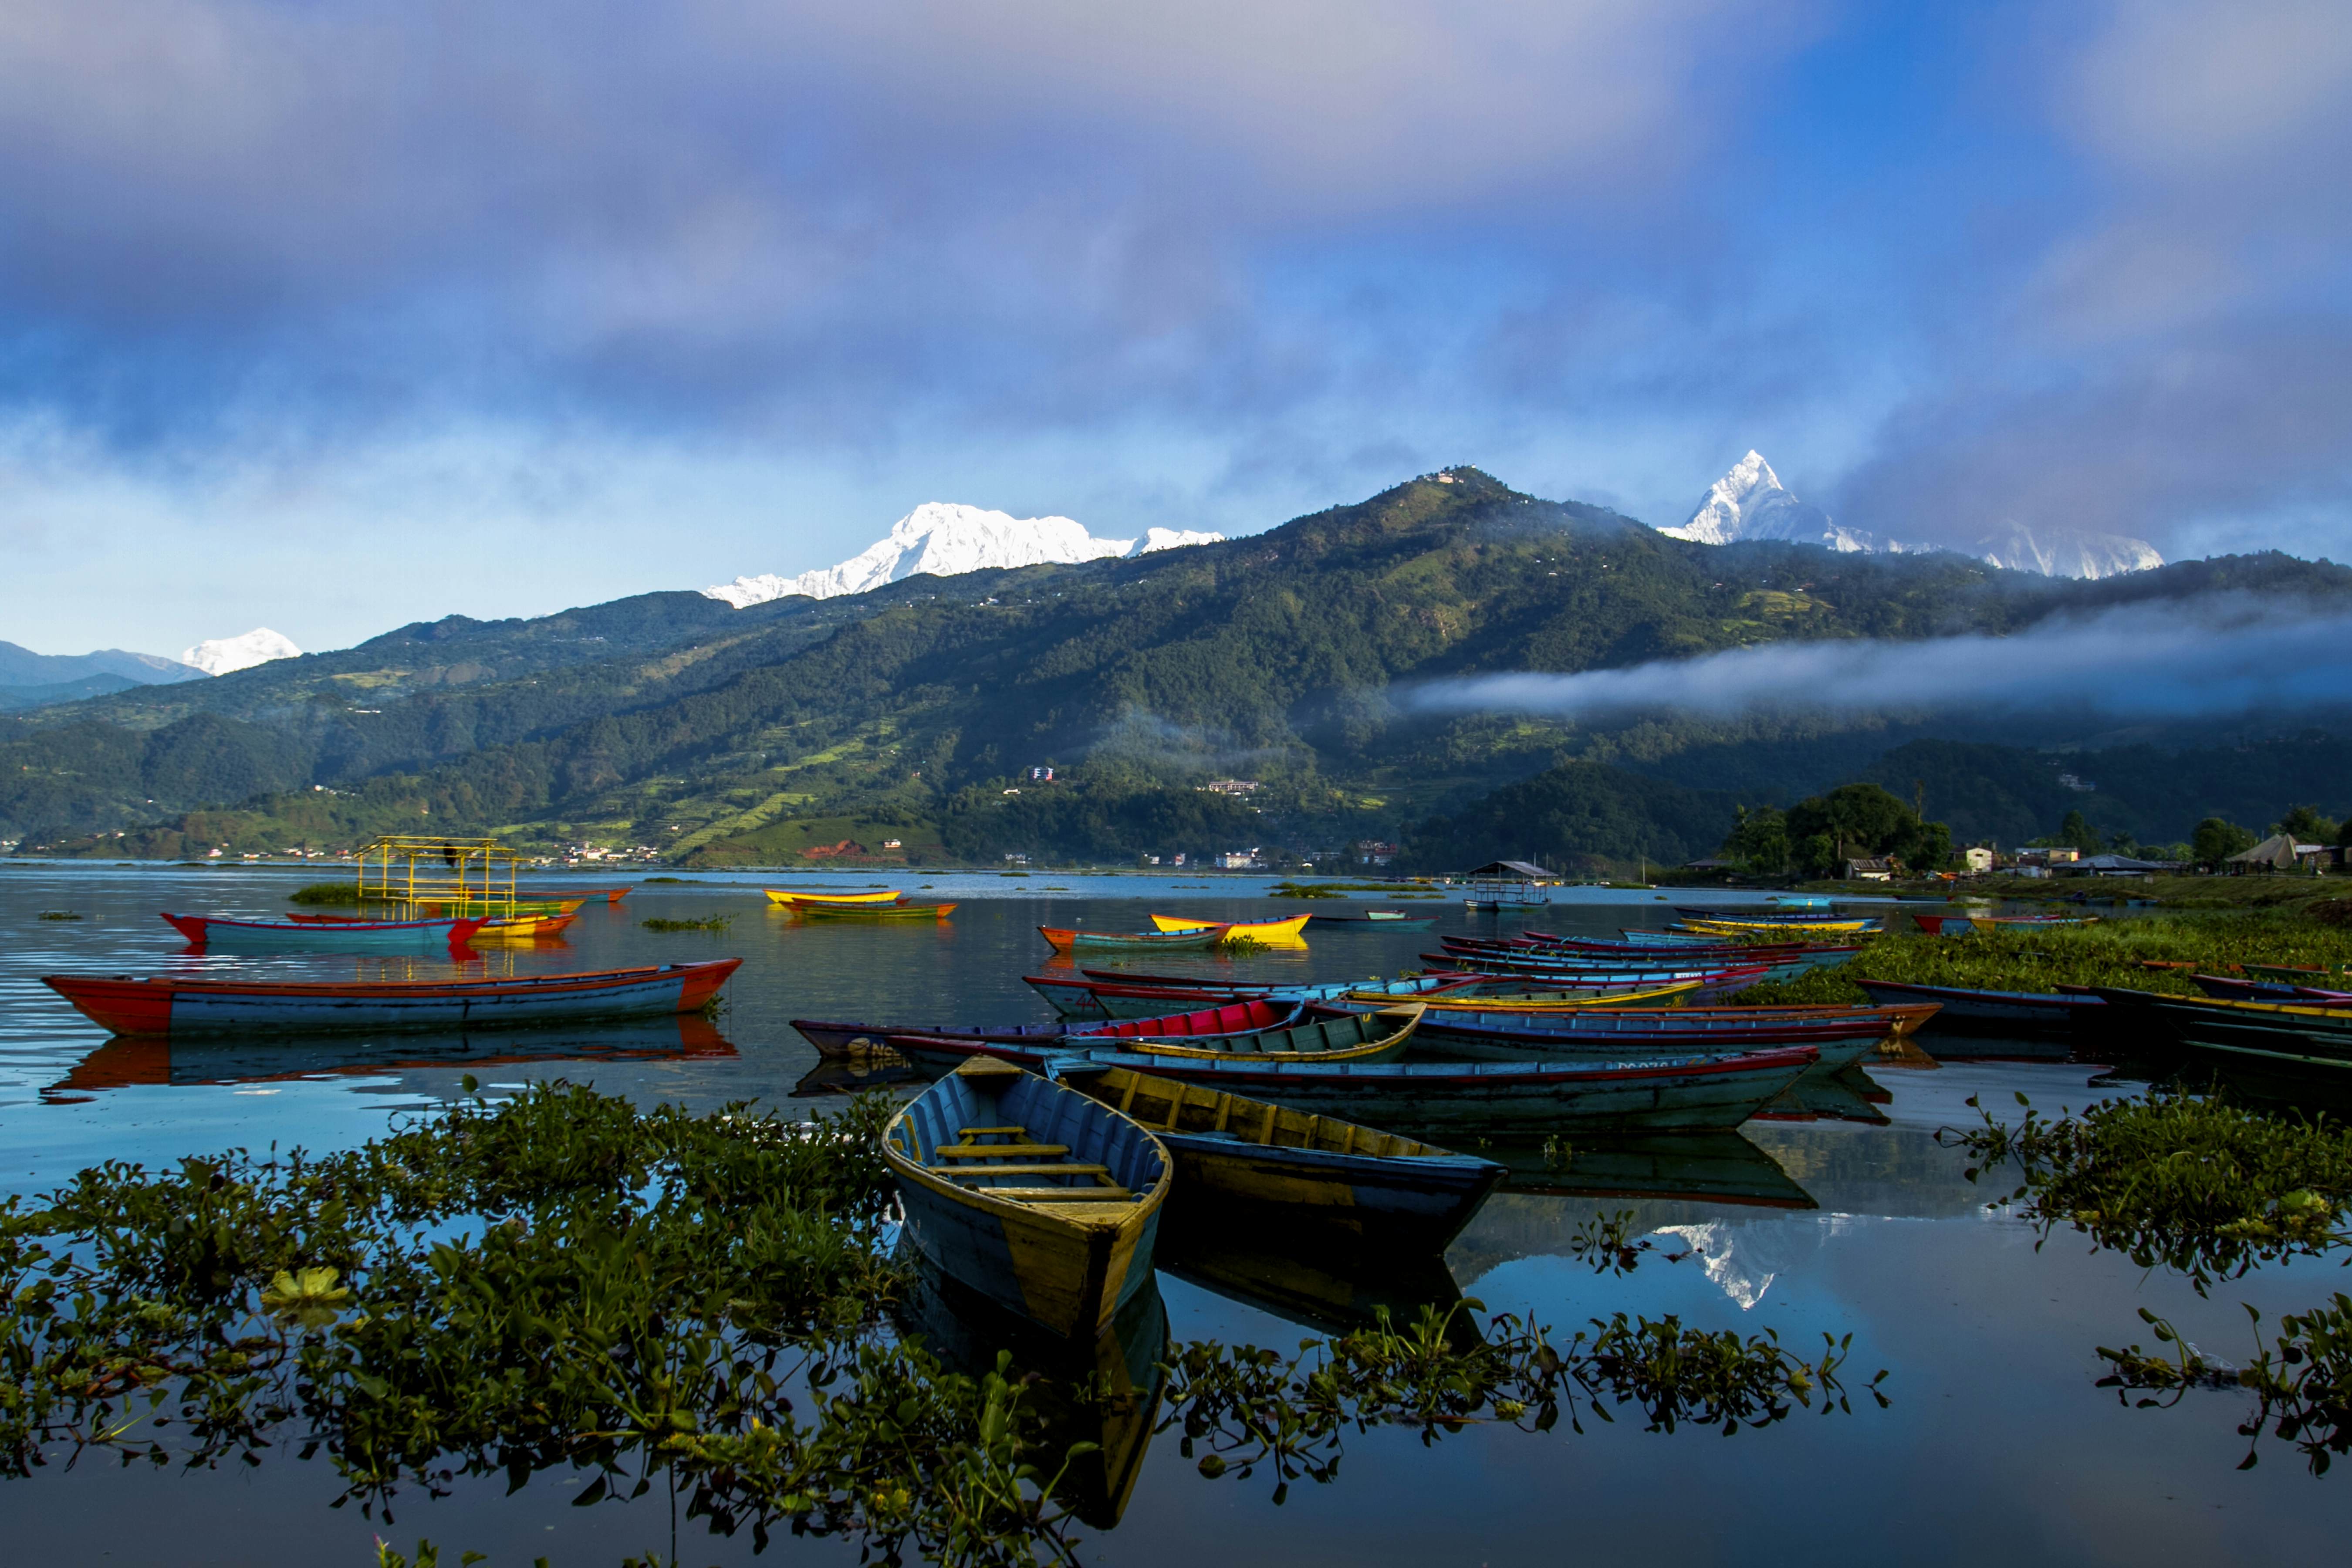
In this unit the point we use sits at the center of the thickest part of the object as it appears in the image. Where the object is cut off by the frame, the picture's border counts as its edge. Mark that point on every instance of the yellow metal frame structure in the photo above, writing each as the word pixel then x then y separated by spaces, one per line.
pixel 465 873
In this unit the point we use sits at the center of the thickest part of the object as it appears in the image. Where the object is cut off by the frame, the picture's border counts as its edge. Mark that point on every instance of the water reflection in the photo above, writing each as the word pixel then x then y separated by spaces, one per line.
pixel 124 1061
pixel 1107 1394
pixel 1713 1167
pixel 1330 1290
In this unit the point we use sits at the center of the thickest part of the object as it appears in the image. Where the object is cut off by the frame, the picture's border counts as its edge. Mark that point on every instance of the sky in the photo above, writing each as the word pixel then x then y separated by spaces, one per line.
pixel 328 316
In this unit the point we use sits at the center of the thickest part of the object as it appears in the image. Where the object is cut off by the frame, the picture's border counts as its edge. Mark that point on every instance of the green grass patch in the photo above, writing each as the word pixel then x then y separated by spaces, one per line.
pixel 695 923
pixel 341 894
pixel 59 915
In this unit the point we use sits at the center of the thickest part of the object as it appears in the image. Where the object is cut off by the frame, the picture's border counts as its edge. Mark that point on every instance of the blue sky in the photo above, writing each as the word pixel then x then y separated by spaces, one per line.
pixel 329 317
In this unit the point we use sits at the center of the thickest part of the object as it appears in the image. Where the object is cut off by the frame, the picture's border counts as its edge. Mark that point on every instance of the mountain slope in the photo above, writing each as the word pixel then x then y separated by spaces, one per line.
pixel 722 731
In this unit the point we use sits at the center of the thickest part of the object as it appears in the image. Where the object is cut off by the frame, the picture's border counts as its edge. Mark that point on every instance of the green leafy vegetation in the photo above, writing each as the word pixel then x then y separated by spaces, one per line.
pixel 693 922
pixel 59 915
pixel 2116 952
pixel 339 893
pixel 509 1289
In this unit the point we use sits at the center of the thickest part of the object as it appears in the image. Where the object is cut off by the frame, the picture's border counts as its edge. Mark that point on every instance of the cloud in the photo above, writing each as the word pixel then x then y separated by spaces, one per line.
pixel 2163 659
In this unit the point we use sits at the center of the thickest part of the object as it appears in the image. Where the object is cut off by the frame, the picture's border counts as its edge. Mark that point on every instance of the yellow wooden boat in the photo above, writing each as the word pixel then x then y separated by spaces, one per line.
pixel 1810 928
pixel 1550 1002
pixel 1040 1198
pixel 1256 931
pixel 521 928
pixel 788 897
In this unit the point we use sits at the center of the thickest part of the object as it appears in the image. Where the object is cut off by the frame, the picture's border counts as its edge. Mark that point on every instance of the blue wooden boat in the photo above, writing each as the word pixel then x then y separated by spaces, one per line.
pixel 1677 1094
pixel 177 1005
pixel 2284 1036
pixel 845 1042
pixel 1992 1012
pixel 1069 940
pixel 1292 1170
pixel 1029 1192
pixel 1319 1033
pixel 220 933
pixel 1095 998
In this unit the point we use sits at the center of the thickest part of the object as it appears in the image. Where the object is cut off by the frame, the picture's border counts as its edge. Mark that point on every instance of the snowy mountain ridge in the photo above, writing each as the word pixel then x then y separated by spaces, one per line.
pixel 943 538
pixel 221 656
pixel 1749 502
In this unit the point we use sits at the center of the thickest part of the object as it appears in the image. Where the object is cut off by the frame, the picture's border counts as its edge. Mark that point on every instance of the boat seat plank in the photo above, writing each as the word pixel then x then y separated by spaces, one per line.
pixel 1001 1151
pixel 969 1133
pixel 965 1172
pixel 1063 1195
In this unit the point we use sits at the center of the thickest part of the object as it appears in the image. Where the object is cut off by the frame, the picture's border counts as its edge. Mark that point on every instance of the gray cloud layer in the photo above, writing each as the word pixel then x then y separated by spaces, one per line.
pixel 2162 658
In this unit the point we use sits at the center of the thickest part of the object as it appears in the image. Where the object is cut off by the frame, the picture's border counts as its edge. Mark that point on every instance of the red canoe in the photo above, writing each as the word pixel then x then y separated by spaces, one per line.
pixel 176 1005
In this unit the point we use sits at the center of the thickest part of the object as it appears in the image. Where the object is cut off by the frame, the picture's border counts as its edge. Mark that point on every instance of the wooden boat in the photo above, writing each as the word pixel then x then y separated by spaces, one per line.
pixel 908 911
pixel 1319 1035
pixel 1857 926
pixel 2231 989
pixel 1384 919
pixel 849 1041
pixel 228 935
pixel 1685 1093
pixel 1286 930
pixel 495 909
pixel 2310 974
pixel 177 1005
pixel 1792 917
pixel 1946 925
pixel 792 895
pixel 2035 921
pixel 1516 1037
pixel 1294 1171
pixel 1070 941
pixel 2279 1034
pixel 1102 999
pixel 521 928
pixel 1994 1012
pixel 1029 1192
pixel 1548 1001
pixel 610 895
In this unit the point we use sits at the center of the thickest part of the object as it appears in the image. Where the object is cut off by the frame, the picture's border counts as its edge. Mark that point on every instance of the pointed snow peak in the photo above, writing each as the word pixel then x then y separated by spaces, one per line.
pixel 943 538
pixel 1749 502
pixel 223 656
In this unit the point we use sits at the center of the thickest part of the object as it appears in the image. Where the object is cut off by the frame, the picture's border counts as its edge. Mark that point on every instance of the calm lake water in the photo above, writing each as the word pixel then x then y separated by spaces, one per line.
pixel 1845 1218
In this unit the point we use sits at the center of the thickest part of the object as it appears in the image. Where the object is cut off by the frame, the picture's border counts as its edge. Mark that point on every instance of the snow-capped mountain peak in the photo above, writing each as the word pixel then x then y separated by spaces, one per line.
pixel 1750 502
pixel 944 540
pixel 222 654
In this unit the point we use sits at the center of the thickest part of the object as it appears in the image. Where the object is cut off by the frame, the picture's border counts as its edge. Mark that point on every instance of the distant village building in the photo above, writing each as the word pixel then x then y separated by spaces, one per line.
pixel 1510 884
pixel 1374 852
pixel 1241 859
pixel 1978 858
pixel 2116 866
pixel 2279 853
pixel 1041 775
pixel 1230 786
pixel 1016 859
pixel 1871 869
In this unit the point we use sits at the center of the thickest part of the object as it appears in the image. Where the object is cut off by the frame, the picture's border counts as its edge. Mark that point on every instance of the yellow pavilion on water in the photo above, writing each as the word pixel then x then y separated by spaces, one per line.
pixel 463 878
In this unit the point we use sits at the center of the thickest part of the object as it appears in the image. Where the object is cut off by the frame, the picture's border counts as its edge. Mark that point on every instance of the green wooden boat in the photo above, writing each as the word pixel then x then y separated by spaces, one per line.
pixel 874 911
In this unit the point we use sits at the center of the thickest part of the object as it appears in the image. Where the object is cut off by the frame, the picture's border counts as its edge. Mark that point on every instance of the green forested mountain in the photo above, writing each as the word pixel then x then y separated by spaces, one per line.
pixel 913 712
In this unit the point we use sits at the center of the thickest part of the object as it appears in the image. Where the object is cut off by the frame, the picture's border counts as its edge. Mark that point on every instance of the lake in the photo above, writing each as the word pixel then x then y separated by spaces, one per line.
pixel 1844 1217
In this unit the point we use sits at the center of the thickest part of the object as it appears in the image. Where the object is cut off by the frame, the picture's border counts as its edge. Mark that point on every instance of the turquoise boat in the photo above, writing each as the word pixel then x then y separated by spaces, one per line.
pixel 313 934
pixel 1029 1193
pixel 1289 1170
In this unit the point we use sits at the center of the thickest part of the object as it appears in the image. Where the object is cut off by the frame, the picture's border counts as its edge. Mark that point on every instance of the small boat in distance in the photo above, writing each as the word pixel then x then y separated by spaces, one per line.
pixel 875 911
pixel 231 935
pixel 1256 931
pixel 1039 1198
pixel 1065 940
pixel 177 1005
pixel 1390 920
pixel 791 896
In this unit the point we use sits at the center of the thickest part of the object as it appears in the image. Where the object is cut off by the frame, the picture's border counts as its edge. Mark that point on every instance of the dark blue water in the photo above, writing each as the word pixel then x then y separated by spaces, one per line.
pixel 1997 1444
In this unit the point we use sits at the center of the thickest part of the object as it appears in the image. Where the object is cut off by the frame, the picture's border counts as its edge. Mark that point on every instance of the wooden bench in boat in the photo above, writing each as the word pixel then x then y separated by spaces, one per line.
pixel 1023 1157
pixel 1165 1106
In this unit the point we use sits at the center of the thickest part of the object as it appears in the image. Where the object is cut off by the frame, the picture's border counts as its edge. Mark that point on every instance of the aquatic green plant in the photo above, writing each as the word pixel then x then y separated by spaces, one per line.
pixel 59 915
pixel 704 922
pixel 326 893
pixel 2195 1183
pixel 2302 1380
pixel 1241 944
pixel 537 1284
pixel 2110 954
pixel 1305 891
pixel 1241 1407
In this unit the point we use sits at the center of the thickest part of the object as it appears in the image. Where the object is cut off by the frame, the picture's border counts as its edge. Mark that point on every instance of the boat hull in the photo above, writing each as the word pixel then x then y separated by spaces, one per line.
pixel 1065 1266
pixel 1286 930
pixel 1992 1012
pixel 178 1008
pixel 217 935
pixel 1070 941
pixel 1688 1094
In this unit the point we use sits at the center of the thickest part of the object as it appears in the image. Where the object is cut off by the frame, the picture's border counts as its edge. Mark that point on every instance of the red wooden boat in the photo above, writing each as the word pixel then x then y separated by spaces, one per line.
pixel 173 1004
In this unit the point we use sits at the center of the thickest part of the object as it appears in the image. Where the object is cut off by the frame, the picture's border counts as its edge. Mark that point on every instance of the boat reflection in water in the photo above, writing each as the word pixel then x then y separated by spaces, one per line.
pixel 1106 1393
pixel 1706 1167
pixel 882 1070
pixel 124 1061
pixel 1328 1291
pixel 1834 1094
